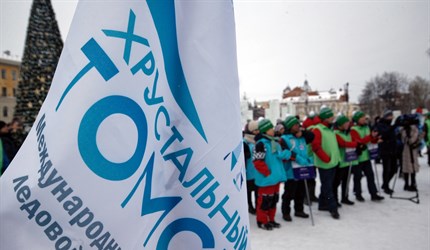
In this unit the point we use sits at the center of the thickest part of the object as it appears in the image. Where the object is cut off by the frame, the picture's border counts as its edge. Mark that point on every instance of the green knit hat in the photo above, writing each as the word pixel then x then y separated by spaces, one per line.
pixel 357 115
pixel 340 120
pixel 264 125
pixel 326 113
pixel 290 122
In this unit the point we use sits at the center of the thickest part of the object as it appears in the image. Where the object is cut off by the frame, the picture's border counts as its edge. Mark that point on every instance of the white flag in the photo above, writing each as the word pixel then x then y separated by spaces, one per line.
pixel 138 144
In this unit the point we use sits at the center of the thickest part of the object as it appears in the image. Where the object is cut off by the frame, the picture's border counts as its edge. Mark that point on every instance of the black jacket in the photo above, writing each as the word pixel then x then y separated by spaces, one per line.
pixel 388 136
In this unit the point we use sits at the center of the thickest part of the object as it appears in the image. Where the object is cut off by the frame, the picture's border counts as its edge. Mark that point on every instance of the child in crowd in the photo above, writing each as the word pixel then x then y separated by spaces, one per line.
pixel 268 157
pixel 251 130
pixel 294 189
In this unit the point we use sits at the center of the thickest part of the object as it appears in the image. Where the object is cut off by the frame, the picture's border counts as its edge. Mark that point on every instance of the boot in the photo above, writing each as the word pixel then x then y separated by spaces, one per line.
pixel 413 186
pixel 413 180
pixel 301 214
pixel 347 201
pixel 266 226
pixel 377 197
pixel 359 197
pixel 406 177
pixel 387 190
pixel 287 217
pixel 335 214
pixel 275 224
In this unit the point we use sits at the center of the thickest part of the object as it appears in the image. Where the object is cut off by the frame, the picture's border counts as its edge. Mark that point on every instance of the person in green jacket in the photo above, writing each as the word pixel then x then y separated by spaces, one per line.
pixel 360 132
pixel 348 157
pixel 326 159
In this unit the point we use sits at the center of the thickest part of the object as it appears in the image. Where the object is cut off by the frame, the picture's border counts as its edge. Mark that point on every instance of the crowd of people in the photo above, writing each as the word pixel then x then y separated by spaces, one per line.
pixel 340 149
pixel 9 142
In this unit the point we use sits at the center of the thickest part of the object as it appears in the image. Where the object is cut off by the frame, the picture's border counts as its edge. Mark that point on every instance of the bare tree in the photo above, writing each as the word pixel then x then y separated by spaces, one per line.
pixel 419 92
pixel 369 100
pixel 387 91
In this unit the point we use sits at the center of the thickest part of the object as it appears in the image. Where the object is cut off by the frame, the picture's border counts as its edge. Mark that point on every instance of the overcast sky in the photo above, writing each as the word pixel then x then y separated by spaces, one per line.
pixel 281 43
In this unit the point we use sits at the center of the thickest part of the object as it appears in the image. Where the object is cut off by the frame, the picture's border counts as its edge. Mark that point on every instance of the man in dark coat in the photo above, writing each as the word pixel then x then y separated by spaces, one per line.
pixel 387 149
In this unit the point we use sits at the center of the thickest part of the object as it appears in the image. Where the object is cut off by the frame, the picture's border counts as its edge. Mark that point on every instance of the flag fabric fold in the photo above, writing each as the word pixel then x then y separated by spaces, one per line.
pixel 138 143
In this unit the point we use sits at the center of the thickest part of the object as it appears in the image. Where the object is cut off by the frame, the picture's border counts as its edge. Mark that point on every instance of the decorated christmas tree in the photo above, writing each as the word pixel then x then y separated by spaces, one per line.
pixel 42 50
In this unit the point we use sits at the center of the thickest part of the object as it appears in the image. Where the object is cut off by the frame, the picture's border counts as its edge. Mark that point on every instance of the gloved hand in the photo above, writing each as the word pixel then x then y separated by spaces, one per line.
pixel 309 136
pixel 359 149
pixel 293 156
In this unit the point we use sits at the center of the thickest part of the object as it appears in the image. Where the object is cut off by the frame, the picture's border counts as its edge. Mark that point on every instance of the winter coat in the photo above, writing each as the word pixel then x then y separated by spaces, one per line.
pixel 410 138
pixel 388 135
pixel 248 146
pixel 300 148
pixel 9 145
pixel 268 157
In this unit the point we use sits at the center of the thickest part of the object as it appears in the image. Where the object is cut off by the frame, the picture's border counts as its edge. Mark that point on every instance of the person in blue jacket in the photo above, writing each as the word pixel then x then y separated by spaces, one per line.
pixel 294 189
pixel 268 157
pixel 251 130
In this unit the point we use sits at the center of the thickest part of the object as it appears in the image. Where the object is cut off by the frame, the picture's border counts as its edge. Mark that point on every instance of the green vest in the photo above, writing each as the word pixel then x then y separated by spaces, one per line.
pixel 428 132
pixel 363 131
pixel 329 145
pixel 345 137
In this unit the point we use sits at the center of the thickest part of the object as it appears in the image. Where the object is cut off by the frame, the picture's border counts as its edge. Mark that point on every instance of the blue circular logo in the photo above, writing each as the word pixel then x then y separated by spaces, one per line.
pixel 87 141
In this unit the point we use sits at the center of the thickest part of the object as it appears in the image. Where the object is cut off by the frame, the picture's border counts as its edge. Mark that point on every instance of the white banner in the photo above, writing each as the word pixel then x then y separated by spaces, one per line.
pixel 138 144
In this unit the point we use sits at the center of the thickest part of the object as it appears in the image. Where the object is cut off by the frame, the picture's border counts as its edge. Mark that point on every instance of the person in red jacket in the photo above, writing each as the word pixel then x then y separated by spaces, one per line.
pixel 311 120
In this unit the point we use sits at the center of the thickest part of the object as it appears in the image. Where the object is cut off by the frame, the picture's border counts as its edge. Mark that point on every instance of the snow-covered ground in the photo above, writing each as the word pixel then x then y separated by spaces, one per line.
pixel 389 224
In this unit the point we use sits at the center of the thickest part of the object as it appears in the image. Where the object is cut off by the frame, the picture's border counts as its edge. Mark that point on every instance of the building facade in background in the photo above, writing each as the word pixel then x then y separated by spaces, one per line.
pixel 9 76
pixel 305 100
pixel 298 101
